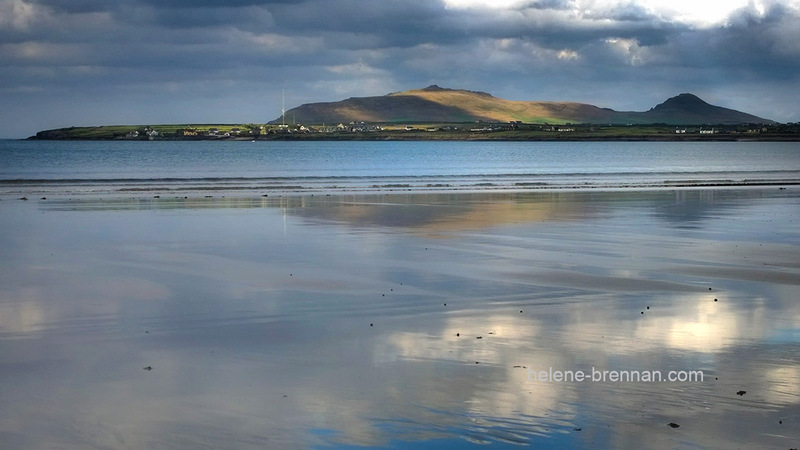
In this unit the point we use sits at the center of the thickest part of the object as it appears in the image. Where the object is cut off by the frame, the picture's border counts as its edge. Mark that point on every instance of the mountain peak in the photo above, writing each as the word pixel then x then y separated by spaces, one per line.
pixel 683 101
pixel 690 109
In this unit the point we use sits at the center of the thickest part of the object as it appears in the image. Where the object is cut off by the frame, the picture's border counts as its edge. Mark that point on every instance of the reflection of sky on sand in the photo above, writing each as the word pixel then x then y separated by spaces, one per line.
pixel 683 323
pixel 301 322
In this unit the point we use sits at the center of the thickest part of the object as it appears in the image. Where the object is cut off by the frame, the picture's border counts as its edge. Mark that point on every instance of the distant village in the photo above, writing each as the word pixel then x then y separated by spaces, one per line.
pixel 254 132
pixel 450 131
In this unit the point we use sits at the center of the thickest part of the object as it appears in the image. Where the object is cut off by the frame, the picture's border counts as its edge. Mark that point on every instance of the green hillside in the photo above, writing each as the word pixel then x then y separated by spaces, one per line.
pixel 439 105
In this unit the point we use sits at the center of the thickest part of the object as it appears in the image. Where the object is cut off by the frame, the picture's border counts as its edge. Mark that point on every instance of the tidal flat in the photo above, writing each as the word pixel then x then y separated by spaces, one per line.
pixel 397 320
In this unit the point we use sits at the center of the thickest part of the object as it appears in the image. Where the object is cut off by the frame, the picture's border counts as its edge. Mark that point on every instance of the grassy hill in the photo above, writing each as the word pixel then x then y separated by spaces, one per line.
pixel 438 105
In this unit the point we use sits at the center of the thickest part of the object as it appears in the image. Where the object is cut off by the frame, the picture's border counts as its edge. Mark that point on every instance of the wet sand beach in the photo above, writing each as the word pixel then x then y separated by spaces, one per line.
pixel 401 320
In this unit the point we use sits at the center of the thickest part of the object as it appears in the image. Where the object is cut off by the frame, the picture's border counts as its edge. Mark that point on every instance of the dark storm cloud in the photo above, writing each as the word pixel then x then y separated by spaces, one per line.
pixel 752 45
pixel 543 49
pixel 220 4
pixel 77 6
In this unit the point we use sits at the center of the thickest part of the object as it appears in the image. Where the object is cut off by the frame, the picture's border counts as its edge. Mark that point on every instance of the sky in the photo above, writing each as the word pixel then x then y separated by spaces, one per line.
pixel 103 62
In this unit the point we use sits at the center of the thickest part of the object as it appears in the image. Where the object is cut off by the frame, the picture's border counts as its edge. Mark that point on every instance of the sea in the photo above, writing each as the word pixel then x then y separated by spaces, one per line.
pixel 125 167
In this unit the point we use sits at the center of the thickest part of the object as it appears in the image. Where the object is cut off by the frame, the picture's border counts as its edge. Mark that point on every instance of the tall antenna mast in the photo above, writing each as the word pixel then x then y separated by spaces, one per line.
pixel 283 108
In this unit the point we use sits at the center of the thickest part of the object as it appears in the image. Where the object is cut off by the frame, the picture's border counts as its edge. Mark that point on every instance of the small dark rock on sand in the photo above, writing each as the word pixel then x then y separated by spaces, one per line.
pixel 741 393
pixel 673 425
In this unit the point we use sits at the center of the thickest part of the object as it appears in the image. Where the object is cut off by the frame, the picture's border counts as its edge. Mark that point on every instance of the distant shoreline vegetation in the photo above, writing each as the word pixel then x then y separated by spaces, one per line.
pixel 436 113
pixel 512 131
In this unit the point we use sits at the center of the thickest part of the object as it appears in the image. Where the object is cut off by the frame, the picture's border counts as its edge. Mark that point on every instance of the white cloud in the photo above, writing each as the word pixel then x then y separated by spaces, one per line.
pixel 689 12
pixel 17 14
pixel 567 54
pixel 629 49
pixel 692 12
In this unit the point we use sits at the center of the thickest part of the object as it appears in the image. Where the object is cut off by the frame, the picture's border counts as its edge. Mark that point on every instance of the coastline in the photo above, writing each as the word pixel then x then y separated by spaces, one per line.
pixel 434 132
pixel 472 138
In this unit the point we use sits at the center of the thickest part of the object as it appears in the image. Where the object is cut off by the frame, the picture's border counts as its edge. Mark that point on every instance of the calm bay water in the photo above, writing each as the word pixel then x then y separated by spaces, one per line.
pixel 123 166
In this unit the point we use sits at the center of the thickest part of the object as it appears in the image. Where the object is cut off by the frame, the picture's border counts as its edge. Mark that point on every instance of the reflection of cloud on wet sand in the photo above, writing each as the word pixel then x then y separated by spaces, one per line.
pixel 702 325
pixel 460 338
pixel 21 311
pixel 62 299
pixel 782 385
pixel 506 346
pixel 693 323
